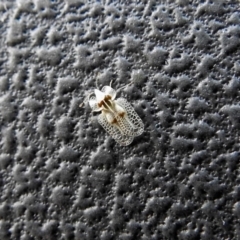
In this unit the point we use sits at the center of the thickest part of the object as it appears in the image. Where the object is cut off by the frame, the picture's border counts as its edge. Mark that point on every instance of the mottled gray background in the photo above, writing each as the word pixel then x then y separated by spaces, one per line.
pixel 61 175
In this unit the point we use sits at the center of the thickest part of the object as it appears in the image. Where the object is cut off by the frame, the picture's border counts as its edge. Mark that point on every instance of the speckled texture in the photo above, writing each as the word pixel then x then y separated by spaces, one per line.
pixel 62 177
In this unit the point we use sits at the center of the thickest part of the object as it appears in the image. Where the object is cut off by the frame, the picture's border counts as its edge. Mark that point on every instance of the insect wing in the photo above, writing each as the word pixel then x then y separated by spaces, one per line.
pixel 132 117
pixel 113 130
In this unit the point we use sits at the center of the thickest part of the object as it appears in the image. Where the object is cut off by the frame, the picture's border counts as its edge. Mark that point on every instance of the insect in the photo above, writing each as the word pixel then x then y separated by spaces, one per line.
pixel 117 116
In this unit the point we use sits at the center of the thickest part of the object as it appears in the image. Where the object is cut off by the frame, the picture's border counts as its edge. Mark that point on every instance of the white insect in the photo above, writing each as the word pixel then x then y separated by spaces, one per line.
pixel 117 116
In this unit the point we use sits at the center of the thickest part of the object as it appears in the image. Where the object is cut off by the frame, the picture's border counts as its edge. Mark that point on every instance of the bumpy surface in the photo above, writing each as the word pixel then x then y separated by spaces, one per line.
pixel 62 176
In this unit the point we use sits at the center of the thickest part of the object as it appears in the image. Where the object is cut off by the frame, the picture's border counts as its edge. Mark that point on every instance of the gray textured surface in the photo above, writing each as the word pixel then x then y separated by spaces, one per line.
pixel 63 177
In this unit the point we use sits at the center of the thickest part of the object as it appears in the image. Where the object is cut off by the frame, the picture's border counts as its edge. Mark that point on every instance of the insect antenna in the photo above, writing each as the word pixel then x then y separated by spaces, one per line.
pixel 97 81
pixel 125 85
pixel 111 83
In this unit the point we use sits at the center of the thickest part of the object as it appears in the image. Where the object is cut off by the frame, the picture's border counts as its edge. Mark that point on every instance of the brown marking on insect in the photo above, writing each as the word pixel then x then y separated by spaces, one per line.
pixel 107 97
pixel 121 114
pixel 100 104
pixel 105 105
pixel 108 102
pixel 114 121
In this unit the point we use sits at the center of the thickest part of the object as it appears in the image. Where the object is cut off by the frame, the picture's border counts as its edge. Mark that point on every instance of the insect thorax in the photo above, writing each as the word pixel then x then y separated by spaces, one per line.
pixel 110 107
pixel 106 103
